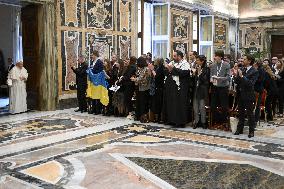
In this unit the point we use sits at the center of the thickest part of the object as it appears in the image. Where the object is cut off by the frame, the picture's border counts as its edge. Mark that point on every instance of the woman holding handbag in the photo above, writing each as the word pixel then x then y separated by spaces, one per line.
pixel 202 81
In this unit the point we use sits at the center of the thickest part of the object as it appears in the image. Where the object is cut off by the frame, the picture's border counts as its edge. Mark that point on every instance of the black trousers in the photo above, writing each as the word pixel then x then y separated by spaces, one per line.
pixel 96 107
pixel 278 100
pixel 142 103
pixel 246 108
pixel 109 107
pixel 281 100
pixel 128 94
pixel 269 105
pixel 220 99
pixel 81 96
pixel 257 107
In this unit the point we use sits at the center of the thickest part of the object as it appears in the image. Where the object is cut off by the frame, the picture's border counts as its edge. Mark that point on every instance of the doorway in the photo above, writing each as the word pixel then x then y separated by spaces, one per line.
pixel 277 46
pixel 29 18
pixel 19 41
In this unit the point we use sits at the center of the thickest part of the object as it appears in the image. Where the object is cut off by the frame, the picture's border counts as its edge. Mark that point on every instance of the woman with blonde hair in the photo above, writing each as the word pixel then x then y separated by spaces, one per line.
pixel 271 87
pixel 118 97
pixel 280 84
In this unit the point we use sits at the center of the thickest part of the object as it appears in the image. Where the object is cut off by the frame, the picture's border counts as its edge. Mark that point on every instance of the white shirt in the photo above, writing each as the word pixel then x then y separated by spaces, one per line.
pixel 248 68
pixel 183 65
pixel 192 64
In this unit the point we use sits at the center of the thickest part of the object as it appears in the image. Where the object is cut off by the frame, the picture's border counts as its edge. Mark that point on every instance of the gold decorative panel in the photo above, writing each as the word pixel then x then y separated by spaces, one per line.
pixel 87 25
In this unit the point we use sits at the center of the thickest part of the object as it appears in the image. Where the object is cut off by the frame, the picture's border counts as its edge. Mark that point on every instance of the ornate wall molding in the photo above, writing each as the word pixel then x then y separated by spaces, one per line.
pixel 181 30
pixel 104 25
pixel 221 34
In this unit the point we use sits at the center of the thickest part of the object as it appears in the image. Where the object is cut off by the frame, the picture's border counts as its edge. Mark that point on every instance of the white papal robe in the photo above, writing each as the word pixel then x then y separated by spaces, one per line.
pixel 18 93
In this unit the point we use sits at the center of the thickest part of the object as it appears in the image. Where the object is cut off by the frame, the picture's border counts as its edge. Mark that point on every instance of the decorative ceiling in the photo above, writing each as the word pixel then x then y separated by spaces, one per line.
pixel 228 7
pixel 23 2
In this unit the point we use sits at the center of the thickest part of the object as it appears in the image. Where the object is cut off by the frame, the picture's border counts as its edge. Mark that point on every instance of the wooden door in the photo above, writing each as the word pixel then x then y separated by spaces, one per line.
pixel 277 46
pixel 30 36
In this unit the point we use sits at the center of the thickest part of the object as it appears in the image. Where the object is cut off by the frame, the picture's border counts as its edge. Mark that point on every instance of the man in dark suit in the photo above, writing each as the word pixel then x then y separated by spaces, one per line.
pixel 81 82
pixel 245 80
pixel 98 66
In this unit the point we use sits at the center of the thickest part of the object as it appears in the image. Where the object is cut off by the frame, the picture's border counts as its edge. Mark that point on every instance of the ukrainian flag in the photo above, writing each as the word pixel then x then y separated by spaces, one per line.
pixel 97 87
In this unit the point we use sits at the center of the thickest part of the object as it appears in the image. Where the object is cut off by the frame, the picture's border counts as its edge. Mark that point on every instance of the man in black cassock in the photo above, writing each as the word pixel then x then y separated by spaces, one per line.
pixel 176 99
pixel 81 82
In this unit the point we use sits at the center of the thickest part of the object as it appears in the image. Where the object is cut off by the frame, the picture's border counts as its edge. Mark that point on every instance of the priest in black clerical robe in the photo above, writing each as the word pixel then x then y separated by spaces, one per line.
pixel 176 98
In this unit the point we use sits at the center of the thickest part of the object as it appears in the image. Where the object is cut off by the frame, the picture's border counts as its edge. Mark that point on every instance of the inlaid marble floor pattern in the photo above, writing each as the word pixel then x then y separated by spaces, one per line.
pixel 64 149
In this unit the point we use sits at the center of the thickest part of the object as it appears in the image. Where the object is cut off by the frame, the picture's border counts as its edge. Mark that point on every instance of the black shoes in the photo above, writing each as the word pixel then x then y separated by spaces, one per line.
pixel 204 125
pixel 238 132
pixel 251 134
pixel 79 110
pixel 179 126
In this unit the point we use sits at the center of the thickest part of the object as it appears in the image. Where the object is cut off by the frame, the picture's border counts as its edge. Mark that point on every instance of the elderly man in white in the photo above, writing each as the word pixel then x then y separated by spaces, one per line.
pixel 17 83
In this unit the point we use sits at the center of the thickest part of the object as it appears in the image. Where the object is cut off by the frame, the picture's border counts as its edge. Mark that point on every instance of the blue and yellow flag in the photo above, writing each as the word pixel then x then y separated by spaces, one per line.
pixel 97 87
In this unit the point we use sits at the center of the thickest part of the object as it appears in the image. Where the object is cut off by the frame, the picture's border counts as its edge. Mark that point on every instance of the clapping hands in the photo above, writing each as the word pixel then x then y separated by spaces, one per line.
pixel 133 78
pixel 151 67
pixel 169 67
pixel 240 73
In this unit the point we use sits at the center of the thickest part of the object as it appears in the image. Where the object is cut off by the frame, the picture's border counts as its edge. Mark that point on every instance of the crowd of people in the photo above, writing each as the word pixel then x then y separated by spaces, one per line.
pixel 183 90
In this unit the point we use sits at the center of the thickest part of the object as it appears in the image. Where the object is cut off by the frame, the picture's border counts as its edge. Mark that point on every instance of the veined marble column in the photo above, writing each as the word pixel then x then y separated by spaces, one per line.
pixel 48 90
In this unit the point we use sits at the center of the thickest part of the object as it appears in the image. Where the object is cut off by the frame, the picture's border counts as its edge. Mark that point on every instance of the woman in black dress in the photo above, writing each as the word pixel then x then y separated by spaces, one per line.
pixel 118 96
pixel 142 80
pixel 271 87
pixel 128 86
pixel 280 84
pixel 201 93
pixel 157 87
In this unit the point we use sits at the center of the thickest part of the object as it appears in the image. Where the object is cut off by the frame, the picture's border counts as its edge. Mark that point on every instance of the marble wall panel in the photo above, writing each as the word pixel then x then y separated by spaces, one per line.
pixel 124 46
pixel 71 48
pixel 124 15
pixel 70 13
pixel 181 29
pixel 181 46
pixel 220 35
pixel 252 38
pixel 256 36
pixel 87 25
pixel 180 26
pixel 103 44
pixel 99 14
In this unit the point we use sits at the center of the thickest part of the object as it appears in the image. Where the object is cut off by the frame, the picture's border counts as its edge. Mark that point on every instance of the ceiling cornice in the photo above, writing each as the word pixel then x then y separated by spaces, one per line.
pixel 262 19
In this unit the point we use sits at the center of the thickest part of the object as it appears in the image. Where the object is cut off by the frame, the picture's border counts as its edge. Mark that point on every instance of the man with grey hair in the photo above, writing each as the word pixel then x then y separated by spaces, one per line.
pixel 81 82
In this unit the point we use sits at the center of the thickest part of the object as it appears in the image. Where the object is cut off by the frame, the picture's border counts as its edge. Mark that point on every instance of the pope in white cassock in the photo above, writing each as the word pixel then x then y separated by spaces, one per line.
pixel 18 94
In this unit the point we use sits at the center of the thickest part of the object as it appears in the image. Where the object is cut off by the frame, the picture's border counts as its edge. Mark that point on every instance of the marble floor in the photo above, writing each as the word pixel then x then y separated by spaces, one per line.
pixel 4 105
pixel 69 150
